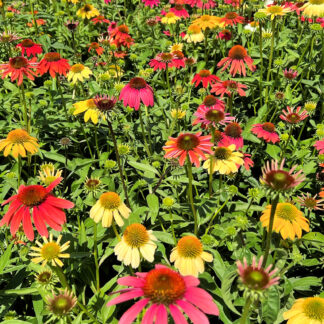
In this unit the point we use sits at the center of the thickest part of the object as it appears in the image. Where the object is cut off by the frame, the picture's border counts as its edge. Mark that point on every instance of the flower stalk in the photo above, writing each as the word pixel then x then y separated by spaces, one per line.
pixel 190 196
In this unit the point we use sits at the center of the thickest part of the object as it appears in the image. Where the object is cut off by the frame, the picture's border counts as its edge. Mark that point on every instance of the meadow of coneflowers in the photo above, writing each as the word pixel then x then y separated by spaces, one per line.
pixel 161 161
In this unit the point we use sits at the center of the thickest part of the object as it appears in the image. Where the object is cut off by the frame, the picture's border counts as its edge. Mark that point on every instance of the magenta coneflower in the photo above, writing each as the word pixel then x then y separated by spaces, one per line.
pixel 276 178
pixel 187 144
pixel 319 145
pixel 290 74
pixel 211 101
pixel 201 4
pixel 228 87
pixel 180 11
pixel 161 60
pixel 254 276
pixel 232 135
pixel 267 131
pixel 225 34
pixel 135 92
pixel 292 117
pixel 311 203
pixel 205 77
pixel 165 291
pixel 237 58
pixel 151 3
pixel 248 163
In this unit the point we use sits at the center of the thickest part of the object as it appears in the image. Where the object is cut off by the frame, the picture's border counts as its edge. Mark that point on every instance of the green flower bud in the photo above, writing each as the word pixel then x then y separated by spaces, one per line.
pixel 168 202
pixel 156 164
pixel 284 137
pixel 110 164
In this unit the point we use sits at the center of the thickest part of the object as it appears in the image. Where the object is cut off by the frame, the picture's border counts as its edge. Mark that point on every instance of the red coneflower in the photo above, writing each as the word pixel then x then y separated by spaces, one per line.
pixel 292 117
pixel 319 145
pixel 225 34
pixel 205 77
pixel 179 60
pixel 276 178
pixel 232 18
pixel 39 22
pixel 248 163
pixel 267 131
pixel 232 135
pixel 31 48
pixel 237 57
pixel 100 20
pixel 95 46
pixel 228 87
pixel 187 144
pixel 180 11
pixel 54 64
pixel 151 3
pixel 135 92
pixel 18 67
pixel 161 60
pixel 38 203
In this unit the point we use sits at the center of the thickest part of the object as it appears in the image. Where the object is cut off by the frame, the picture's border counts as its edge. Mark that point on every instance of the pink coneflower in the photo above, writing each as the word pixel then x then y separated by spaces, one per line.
pixel 237 57
pixel 254 277
pixel 228 87
pixel 178 61
pixel 211 116
pixel 248 163
pixel 319 145
pixel 180 11
pixel 31 48
pixel 267 131
pixel 105 104
pixel 232 18
pixel 151 3
pixel 161 60
pixel 205 77
pixel 135 92
pixel 38 203
pixel 232 135
pixel 225 34
pixel 211 102
pixel 201 4
pixel 233 3
pixel 311 203
pixel 165 290
pixel 290 74
pixel 292 117
pixel 187 144
pixel 8 37
pixel 276 178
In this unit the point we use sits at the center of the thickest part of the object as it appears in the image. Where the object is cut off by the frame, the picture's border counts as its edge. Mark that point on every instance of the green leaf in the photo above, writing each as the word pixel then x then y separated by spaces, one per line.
pixel 305 283
pixel 143 167
pixel 164 237
pixel 271 306
pixel 54 156
pixel 22 291
pixel 38 305
pixel 273 151
pixel 4 260
pixel 227 281
pixel 314 236
pixel 153 204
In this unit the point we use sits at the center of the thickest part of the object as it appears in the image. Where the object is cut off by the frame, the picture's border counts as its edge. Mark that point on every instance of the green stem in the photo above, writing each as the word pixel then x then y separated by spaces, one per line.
pixel 34 19
pixel 115 231
pixel 95 253
pixel 285 147
pixel 190 196
pixel 230 103
pixel 261 61
pixel 246 310
pixel 19 170
pixel 274 204
pixel 216 213
pixel 143 133
pixel 96 140
pixel 210 182
pixel 172 227
pixel 61 94
pixel 25 107
pixel 118 162
pixel 86 138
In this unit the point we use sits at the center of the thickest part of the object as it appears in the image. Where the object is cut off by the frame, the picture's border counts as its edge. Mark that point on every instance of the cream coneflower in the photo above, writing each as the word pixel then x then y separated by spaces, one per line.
pixel 79 72
pixel 18 141
pixel 288 220
pixel 137 241
pixel 306 310
pixel 176 47
pixel 314 8
pixel 194 34
pixel 170 18
pixel 47 173
pixel 275 10
pixel 188 256
pixel 224 160
pixel 88 11
pixel 109 206
pixel 50 251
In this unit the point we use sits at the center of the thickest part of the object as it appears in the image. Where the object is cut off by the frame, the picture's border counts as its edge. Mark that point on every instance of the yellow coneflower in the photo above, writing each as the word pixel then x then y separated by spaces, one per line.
pixel 18 142
pixel 288 220
pixel 90 109
pixel 207 21
pixel 170 18
pixel 275 10
pixel 50 251
pixel 88 11
pixel 188 256
pixel 136 241
pixel 109 206
pixel 306 310
pixel 176 47
pixel 178 113
pixel 225 160
pixel 47 173
pixel 194 34
pixel 78 72
pixel 314 8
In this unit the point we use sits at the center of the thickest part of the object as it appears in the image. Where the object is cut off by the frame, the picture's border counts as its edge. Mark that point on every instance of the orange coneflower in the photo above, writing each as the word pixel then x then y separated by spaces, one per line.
pixel 54 64
pixel 232 18
pixel 31 48
pixel 95 46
